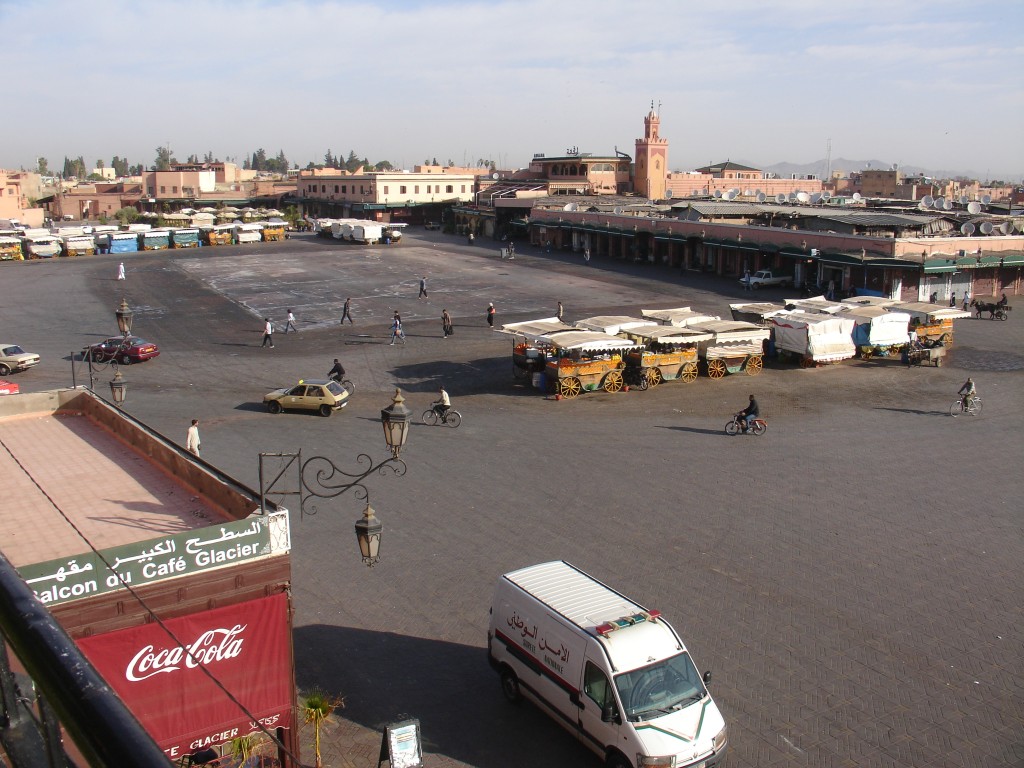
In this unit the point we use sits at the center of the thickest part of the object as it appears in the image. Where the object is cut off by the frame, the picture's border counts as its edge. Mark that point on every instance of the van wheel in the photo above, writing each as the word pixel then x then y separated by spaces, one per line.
pixel 510 686
pixel 616 760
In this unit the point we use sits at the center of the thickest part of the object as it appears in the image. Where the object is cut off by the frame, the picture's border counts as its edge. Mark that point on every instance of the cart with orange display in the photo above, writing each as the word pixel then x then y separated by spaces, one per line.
pixel 664 353
pixel 530 345
pixel 931 322
pixel 585 361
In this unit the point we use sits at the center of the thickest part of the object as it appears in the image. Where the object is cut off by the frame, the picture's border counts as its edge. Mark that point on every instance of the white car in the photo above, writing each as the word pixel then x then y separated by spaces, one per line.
pixel 13 358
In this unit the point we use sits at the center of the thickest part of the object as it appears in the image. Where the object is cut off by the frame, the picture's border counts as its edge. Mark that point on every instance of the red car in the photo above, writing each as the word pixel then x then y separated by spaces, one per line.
pixel 124 349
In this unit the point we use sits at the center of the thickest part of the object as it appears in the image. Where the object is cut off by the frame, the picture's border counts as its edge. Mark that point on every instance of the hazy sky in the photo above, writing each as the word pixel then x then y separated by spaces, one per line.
pixel 933 84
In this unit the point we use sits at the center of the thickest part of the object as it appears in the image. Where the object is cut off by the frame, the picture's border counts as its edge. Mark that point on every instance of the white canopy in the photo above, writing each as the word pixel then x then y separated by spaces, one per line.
pixel 679 317
pixel 925 311
pixel 824 338
pixel 534 329
pixel 587 340
pixel 884 328
pixel 610 324
pixel 732 331
pixel 667 334
pixel 816 304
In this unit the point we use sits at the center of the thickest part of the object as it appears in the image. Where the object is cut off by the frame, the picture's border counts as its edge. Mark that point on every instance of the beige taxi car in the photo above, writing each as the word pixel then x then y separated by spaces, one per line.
pixel 320 395
pixel 13 358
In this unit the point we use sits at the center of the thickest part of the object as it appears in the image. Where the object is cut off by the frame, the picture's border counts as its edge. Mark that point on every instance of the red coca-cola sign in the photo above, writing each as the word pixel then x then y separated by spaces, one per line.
pixel 159 673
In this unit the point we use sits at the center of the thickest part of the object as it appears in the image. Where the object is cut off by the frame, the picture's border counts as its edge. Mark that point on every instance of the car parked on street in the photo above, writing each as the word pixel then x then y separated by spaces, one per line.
pixel 13 358
pixel 124 349
pixel 321 395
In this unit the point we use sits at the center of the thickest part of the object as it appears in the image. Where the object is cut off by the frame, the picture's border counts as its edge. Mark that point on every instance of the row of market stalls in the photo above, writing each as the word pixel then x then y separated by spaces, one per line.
pixel 41 243
pixel 611 353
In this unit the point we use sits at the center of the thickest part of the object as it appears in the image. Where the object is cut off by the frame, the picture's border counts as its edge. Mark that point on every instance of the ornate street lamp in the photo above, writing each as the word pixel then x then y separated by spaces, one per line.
pixel 118 389
pixel 395 420
pixel 124 318
pixel 368 530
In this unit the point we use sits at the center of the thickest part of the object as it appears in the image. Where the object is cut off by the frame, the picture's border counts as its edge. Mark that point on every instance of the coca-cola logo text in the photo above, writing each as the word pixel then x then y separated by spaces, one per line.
pixel 213 645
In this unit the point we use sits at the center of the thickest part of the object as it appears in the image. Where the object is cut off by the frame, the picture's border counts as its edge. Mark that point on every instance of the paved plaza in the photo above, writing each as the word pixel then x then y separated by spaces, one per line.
pixel 852 579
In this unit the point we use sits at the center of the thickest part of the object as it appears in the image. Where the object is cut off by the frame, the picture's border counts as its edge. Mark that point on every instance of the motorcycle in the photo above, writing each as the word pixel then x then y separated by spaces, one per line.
pixel 758 426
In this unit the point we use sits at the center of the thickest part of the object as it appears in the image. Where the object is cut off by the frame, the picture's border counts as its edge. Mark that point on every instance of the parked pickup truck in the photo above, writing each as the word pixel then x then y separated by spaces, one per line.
pixel 766 277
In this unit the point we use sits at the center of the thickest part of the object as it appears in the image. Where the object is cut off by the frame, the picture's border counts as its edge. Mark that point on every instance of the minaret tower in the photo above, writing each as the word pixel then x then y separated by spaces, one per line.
pixel 651 160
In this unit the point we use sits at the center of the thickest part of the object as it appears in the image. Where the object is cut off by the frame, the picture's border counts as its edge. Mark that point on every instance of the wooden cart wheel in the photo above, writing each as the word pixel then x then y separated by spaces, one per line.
pixel 754 365
pixel 806 362
pixel 895 349
pixel 654 377
pixel 688 373
pixel 866 353
pixel 946 338
pixel 569 387
pixel 612 382
pixel 716 368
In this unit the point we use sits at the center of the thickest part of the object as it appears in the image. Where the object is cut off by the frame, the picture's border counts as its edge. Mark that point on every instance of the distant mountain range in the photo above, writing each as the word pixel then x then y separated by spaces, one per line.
pixel 819 168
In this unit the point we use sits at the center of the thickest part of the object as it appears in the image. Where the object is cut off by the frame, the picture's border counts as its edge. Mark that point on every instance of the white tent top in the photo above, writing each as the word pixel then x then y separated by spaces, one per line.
pixel 869 301
pixel 610 324
pixel 534 329
pixel 816 304
pixel 682 316
pixel 667 334
pixel 762 309
pixel 726 331
pixel 587 340
pixel 930 311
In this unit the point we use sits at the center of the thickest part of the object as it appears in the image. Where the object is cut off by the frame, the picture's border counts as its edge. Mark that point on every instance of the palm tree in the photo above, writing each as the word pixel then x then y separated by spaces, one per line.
pixel 316 709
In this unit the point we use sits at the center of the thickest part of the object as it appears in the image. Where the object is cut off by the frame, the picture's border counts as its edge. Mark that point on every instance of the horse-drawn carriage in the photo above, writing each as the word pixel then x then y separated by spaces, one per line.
pixel 665 354
pixel 997 310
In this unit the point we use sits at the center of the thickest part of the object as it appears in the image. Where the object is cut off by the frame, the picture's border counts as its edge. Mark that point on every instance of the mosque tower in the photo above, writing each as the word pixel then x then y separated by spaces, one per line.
pixel 651 169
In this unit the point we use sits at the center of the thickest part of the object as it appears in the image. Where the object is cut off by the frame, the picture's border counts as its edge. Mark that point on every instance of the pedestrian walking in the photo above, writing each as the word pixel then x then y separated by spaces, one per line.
pixel 511 250
pixel 192 440
pixel 967 299
pixel 952 299
pixel 559 310
pixel 290 323
pixel 491 312
pixel 396 329
pixel 120 271
pixel 586 255
pixel 423 288
pixel 831 290
pixel 268 333
pixel 446 323
pixel 346 312
pixel 746 280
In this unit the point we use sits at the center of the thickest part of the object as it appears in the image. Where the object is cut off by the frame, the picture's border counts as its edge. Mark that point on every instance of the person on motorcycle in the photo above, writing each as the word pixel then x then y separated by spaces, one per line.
pixel 749 413
pixel 443 403
pixel 337 372
pixel 967 393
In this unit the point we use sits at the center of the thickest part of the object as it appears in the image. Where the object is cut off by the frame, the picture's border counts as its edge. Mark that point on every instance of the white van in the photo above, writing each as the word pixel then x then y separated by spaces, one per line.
pixel 607 669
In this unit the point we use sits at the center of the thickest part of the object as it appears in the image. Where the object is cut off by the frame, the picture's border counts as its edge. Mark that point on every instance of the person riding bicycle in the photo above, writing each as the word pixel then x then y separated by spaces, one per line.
pixel 442 404
pixel 967 393
pixel 749 413
pixel 337 372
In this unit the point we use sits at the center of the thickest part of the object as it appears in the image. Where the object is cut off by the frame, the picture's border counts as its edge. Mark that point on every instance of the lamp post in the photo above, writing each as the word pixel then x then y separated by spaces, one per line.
pixel 321 478
pixel 124 318
pixel 96 360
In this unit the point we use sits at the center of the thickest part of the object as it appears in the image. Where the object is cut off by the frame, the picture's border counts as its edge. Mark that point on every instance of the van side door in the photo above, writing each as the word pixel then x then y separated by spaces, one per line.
pixel 599 716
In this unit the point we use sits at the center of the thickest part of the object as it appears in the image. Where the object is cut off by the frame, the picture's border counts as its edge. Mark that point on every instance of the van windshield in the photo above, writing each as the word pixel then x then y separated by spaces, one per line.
pixel 661 688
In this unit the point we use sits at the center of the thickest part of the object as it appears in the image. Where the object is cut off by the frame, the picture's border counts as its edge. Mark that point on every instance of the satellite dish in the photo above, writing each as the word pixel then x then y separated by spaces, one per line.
pixel 985 228
pixel 826 195
pixel 967 228
pixel 730 195
pixel 1005 228
pixel 759 197
pixel 573 206
pixel 921 206
pixel 747 193
pixel 974 208
pixel 947 205
pixel 939 203
pixel 986 199
pixel 816 197
pixel 718 194
pixel 780 198
pixel 857 197
pixel 963 200
pixel 792 197
pixel 734 191
pixel 927 201
pixel 803 197
pixel 617 210
pixel 567 207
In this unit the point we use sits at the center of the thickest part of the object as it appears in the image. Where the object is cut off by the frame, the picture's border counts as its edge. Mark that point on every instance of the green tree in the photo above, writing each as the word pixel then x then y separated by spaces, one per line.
pixel 316 709
pixel 127 215
pixel 208 157
pixel 99 163
pixel 164 159
pixel 383 165
pixel 43 166
pixel 353 161
pixel 120 166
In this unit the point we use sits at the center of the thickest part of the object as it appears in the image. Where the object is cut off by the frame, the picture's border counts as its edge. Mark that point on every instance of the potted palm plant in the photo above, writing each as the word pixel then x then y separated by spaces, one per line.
pixel 317 707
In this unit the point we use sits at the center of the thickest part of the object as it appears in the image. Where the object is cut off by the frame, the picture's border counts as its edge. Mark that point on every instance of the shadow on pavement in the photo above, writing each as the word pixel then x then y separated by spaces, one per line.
pixel 695 430
pixel 449 688
pixel 912 410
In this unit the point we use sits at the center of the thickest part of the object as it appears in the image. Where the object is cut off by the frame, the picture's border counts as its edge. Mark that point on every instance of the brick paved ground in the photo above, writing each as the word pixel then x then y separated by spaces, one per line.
pixel 852 578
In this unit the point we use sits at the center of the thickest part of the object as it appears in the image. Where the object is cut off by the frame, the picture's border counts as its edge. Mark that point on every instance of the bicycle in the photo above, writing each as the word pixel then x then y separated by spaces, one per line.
pixel 346 384
pixel 451 417
pixel 958 407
